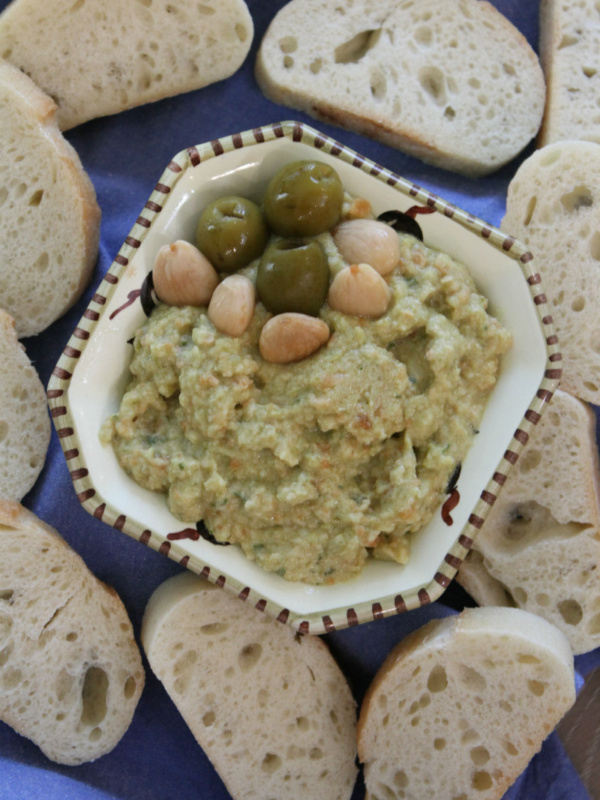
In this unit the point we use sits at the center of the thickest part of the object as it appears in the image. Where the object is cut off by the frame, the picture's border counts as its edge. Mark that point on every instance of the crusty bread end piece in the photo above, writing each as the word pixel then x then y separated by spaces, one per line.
pixel 24 420
pixel 452 82
pixel 270 708
pixel 540 546
pixel 70 671
pixel 553 206
pixel 49 218
pixel 95 60
pixel 460 706
pixel 570 56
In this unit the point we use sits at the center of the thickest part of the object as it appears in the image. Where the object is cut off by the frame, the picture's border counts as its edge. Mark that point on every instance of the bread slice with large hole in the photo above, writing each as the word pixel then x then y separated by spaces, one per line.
pixel 461 705
pixel 97 59
pixel 553 206
pixel 452 82
pixel 24 420
pixel 49 217
pixel 570 56
pixel 70 671
pixel 540 546
pixel 270 707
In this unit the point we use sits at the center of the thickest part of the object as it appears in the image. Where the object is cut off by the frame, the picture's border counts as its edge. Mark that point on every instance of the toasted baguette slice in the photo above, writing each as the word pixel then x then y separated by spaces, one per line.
pixel 270 708
pixel 24 420
pixel 540 546
pixel 96 61
pixel 461 705
pixel 452 82
pixel 570 56
pixel 70 670
pixel 49 218
pixel 553 205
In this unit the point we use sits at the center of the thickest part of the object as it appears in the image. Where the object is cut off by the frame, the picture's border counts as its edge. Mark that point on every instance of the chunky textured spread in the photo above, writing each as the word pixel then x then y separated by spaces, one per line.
pixel 315 466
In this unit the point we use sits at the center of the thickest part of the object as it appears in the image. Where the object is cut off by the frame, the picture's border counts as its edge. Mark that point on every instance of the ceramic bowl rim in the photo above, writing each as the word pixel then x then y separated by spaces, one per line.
pixel 90 496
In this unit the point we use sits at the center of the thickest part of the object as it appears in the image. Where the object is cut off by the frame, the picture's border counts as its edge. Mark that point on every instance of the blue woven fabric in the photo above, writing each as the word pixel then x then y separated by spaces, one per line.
pixel 124 155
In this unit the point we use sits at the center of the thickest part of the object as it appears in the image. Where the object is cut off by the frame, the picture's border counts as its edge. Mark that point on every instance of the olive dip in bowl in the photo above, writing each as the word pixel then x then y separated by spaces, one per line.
pixel 315 411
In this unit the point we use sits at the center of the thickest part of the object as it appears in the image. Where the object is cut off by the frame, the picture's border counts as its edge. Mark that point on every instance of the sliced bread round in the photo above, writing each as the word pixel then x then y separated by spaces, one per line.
pixel 540 546
pixel 70 671
pixel 49 218
pixel 450 81
pixel 24 421
pixel 570 57
pixel 461 705
pixel 553 205
pixel 270 708
pixel 95 61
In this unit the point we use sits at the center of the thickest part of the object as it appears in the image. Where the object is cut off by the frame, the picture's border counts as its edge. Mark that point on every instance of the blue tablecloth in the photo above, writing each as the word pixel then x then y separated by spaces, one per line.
pixel 124 155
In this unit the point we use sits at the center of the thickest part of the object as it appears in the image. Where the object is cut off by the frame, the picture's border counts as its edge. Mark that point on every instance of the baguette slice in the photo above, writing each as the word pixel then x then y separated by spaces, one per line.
pixel 49 218
pixel 452 82
pixel 270 708
pixel 98 59
pixel 461 705
pixel 540 546
pixel 24 420
pixel 553 205
pixel 70 670
pixel 570 56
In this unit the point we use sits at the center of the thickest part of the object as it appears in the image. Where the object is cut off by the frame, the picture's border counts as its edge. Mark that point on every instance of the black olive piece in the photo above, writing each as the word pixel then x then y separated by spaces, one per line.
pixel 454 479
pixel 402 223
pixel 148 295
pixel 207 535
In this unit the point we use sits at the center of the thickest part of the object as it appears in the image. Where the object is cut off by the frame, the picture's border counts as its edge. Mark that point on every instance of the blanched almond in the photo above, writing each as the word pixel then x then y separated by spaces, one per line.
pixel 291 337
pixel 368 241
pixel 232 305
pixel 359 290
pixel 182 276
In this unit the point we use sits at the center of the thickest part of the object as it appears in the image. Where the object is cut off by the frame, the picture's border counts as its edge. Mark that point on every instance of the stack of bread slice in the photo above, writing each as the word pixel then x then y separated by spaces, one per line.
pixel 50 220
pixel 96 61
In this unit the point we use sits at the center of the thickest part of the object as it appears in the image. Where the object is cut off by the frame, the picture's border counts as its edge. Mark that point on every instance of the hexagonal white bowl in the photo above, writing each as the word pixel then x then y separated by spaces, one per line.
pixel 89 379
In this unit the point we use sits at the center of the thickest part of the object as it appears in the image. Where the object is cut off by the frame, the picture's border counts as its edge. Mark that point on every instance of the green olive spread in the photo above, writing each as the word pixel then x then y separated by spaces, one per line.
pixel 314 466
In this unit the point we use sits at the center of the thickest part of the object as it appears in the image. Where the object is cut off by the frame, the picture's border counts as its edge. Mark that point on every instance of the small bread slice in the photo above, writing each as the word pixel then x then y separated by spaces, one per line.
pixel 270 708
pixel 540 546
pixel 553 205
pixel 461 705
pixel 452 82
pixel 24 421
pixel 570 56
pixel 94 61
pixel 49 218
pixel 70 671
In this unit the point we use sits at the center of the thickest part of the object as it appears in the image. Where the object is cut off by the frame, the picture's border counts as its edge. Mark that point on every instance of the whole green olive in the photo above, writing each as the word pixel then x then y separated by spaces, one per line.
pixel 304 199
pixel 231 232
pixel 293 275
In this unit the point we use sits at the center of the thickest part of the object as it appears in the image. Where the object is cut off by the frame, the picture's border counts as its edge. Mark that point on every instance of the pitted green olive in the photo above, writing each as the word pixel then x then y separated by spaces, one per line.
pixel 304 199
pixel 293 275
pixel 231 233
